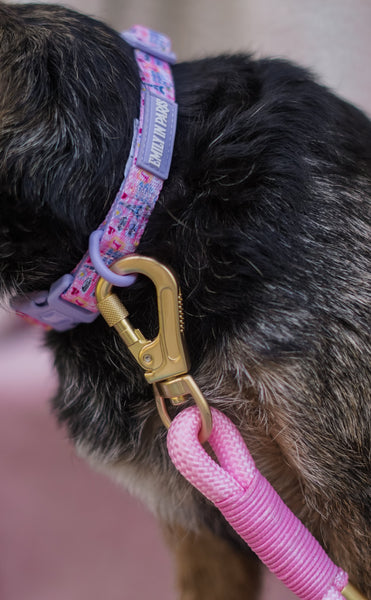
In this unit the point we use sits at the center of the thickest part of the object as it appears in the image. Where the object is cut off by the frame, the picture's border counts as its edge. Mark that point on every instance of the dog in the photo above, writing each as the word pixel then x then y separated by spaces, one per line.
pixel 265 219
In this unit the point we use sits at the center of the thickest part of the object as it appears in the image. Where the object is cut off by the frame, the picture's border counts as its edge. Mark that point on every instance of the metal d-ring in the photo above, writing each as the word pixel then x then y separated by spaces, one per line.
pixel 101 268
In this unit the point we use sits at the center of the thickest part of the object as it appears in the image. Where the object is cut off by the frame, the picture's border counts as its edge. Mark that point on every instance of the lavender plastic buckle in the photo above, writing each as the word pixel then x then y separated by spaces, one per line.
pixel 51 309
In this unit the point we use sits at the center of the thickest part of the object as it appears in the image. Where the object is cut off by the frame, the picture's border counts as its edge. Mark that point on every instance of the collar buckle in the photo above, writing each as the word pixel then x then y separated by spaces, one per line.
pixel 50 309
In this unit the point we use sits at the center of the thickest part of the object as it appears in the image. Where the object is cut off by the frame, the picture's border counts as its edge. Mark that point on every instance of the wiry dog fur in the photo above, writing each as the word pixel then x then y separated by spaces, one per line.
pixel 266 221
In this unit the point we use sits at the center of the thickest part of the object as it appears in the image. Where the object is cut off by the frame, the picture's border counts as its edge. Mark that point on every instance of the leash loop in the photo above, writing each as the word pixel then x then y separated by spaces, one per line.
pixel 253 508
pixel 178 390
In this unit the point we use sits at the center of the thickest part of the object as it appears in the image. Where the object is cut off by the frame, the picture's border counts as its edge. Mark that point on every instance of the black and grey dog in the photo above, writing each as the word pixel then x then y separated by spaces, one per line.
pixel 265 219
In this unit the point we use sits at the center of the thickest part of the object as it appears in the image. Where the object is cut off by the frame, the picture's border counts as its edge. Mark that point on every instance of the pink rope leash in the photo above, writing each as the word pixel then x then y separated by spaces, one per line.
pixel 252 507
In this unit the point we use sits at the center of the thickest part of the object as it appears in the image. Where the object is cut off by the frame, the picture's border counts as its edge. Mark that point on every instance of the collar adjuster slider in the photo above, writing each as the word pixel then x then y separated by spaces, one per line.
pixel 156 44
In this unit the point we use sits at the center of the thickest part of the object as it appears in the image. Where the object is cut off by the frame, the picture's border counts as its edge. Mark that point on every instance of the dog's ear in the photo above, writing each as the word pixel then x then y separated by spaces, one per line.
pixel 69 95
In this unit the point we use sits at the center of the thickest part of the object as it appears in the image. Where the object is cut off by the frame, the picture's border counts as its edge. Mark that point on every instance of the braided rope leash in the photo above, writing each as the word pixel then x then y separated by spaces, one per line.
pixel 251 505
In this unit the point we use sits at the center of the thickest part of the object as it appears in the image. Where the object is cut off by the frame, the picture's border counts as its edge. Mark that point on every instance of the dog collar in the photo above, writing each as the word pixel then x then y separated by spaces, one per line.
pixel 71 299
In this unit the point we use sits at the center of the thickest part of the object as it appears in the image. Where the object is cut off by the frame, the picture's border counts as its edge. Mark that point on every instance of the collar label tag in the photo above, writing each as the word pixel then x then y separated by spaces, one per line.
pixel 156 146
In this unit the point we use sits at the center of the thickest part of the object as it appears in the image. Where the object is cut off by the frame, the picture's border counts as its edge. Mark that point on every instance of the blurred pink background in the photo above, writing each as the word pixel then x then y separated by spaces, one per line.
pixel 65 531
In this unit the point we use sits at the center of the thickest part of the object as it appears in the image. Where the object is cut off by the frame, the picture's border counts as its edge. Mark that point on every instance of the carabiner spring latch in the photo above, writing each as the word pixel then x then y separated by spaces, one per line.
pixel 164 359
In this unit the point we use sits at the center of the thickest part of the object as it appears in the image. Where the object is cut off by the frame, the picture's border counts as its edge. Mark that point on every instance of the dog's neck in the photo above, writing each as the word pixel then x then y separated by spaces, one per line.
pixel 71 299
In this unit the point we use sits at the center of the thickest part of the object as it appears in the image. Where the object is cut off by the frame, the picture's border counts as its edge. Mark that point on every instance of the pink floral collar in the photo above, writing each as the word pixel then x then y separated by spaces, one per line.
pixel 71 299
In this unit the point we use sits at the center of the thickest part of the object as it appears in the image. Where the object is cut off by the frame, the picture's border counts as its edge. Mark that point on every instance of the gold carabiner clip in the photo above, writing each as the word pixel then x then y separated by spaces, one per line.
pixel 164 359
